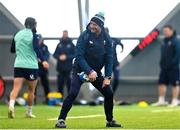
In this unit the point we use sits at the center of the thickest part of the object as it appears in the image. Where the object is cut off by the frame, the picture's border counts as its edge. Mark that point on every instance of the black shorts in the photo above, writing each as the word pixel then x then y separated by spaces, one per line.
pixel 170 77
pixel 28 74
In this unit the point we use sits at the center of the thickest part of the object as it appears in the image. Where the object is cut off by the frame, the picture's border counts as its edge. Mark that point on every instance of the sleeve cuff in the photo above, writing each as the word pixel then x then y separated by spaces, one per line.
pixel 90 71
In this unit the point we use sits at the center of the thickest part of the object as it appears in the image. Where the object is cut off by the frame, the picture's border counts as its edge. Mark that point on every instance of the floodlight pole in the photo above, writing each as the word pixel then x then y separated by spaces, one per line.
pixel 83 10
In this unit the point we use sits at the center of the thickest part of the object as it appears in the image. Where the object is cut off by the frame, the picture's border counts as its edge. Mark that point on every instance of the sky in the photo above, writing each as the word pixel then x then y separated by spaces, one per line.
pixel 132 18
pixel 125 18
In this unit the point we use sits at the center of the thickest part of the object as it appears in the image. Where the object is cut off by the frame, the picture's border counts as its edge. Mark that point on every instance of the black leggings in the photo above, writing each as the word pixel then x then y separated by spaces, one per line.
pixel 74 90
pixel 63 79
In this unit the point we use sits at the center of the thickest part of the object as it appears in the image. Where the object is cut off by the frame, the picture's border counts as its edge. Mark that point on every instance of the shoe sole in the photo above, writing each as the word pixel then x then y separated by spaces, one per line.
pixel 60 127
pixel 114 126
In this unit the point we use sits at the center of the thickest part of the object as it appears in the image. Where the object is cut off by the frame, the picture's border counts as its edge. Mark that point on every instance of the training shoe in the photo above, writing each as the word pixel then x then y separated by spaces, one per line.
pixel 157 104
pixel 60 124
pixel 174 103
pixel 30 115
pixel 113 123
pixel 11 113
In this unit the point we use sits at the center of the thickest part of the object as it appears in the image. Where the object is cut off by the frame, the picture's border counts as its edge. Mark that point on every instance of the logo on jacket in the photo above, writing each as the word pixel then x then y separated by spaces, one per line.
pixel 59 45
pixel 169 43
pixel 91 42
pixel 104 42
pixel 113 43
pixel 69 46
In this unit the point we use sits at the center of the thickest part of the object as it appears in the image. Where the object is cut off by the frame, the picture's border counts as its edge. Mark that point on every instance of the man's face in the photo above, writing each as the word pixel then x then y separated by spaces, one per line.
pixel 65 35
pixel 94 27
pixel 167 32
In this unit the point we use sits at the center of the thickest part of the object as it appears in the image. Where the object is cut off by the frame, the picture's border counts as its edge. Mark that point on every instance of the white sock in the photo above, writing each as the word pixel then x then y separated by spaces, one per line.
pixel 174 100
pixel 161 99
pixel 11 103
pixel 29 109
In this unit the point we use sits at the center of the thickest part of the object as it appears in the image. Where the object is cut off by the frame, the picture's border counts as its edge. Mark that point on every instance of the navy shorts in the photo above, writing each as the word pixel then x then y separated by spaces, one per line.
pixel 28 74
pixel 170 77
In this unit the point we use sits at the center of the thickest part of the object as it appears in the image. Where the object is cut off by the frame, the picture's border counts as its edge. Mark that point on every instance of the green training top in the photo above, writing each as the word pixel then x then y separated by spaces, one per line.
pixel 25 54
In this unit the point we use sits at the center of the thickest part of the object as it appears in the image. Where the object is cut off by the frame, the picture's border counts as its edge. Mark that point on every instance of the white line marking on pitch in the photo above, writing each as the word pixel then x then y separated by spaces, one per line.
pixel 77 117
pixel 2 117
pixel 165 110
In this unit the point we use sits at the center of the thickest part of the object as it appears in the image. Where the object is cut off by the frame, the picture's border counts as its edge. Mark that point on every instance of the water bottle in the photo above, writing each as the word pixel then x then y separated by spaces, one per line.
pixel 83 77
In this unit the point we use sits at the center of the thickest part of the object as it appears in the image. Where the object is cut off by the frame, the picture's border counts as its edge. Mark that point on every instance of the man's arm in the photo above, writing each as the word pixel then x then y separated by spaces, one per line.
pixel 56 53
pixel 119 43
pixel 47 54
pixel 80 51
pixel 177 49
pixel 37 48
pixel 71 56
pixel 39 52
pixel 109 56
pixel 13 46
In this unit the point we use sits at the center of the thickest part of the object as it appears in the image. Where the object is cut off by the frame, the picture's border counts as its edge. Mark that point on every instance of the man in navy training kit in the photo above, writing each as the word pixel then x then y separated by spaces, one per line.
pixel 43 72
pixel 64 53
pixel 116 64
pixel 169 64
pixel 93 51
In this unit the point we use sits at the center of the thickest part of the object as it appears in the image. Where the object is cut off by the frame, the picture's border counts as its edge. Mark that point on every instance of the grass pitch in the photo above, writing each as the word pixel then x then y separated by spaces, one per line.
pixel 92 117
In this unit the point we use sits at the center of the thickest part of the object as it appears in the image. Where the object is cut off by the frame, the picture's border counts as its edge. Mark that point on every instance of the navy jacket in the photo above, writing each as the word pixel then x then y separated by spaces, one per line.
pixel 46 54
pixel 92 53
pixel 45 51
pixel 116 42
pixel 65 47
pixel 170 53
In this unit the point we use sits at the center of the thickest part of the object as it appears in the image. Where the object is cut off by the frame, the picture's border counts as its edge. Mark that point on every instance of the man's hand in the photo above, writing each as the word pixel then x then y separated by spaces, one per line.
pixel 63 57
pixel 106 82
pixel 92 76
pixel 45 64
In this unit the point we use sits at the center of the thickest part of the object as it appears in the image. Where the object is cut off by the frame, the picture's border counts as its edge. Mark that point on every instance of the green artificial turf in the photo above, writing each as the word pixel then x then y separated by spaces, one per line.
pixel 131 117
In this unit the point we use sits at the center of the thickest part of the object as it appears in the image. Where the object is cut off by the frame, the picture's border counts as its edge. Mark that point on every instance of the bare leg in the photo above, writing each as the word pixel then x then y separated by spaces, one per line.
pixel 162 90
pixel 31 91
pixel 162 94
pixel 17 85
pixel 175 92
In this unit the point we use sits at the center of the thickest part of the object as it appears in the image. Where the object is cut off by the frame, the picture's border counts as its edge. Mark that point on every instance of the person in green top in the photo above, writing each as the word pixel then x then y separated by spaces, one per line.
pixel 25 46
